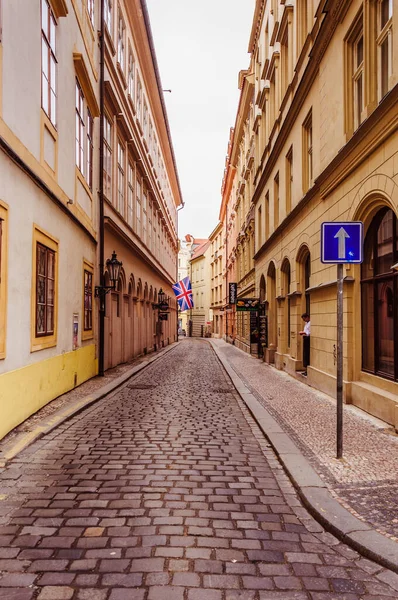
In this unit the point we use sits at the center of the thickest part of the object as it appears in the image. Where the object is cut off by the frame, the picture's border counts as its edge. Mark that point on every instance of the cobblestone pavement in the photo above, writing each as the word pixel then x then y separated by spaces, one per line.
pixel 167 490
pixel 366 480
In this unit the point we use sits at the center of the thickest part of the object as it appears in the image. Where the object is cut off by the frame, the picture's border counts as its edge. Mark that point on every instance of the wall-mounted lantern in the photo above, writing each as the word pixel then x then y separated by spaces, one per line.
pixel 113 266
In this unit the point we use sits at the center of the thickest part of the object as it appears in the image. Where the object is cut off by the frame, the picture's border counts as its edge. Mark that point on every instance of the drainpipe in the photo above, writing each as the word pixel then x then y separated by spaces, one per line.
pixel 101 196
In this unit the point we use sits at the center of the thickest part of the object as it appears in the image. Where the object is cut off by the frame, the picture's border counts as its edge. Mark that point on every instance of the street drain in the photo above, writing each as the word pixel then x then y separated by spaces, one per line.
pixel 222 391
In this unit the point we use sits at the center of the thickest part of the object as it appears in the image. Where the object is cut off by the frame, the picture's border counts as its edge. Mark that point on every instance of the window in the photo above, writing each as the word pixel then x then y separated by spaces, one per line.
pixel 3 266
pixel 45 290
pixel 144 214
pixel 145 120
pixel 131 81
pixel 289 180
pixel 276 201
pixel 48 62
pixel 302 23
pixel 90 149
pixel 379 287
pixel 139 99
pixel 108 15
pixel 120 179
pixel 384 44
pixel 107 158
pixel 120 42
pixel 84 139
pixel 307 153
pixel 358 79
pixel 79 128
pixel 88 300
pixel 150 224
pixel 130 194
pixel 90 10
pixel 138 206
pixel 266 216
pixel 355 75
pixel 259 227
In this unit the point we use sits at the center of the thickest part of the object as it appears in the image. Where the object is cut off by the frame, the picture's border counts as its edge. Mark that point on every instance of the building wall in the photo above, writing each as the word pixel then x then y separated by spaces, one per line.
pixel 217 293
pixel 353 155
pixel 141 188
pixel 44 199
pixel 200 314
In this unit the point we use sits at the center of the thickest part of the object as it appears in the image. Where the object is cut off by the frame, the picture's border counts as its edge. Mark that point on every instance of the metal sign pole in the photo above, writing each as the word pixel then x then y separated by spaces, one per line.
pixel 339 360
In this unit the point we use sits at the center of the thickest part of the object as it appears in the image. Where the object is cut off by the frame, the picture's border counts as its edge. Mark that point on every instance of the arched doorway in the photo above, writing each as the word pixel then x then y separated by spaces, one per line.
pixel 272 318
pixel 286 313
pixel 379 294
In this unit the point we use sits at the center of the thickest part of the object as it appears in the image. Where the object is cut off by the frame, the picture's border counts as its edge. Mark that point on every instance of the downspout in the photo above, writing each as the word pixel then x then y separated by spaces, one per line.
pixel 101 196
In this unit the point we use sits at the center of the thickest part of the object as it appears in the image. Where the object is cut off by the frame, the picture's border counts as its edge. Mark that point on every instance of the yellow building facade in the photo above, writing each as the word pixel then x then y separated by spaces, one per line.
pixel 325 92
pixel 48 206
pixel 217 294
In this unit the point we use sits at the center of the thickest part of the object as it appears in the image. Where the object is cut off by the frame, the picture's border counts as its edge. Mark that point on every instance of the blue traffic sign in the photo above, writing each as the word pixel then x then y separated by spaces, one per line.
pixel 342 242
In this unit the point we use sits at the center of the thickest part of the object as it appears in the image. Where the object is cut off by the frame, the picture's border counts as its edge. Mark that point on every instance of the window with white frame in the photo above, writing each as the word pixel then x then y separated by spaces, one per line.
pixel 130 194
pixel 107 158
pixel 384 46
pixel 358 77
pixel 108 15
pixel 145 120
pixel 131 78
pixel 307 153
pixel 90 149
pixel 138 191
pixel 144 214
pixel 48 62
pixel 120 178
pixel 80 133
pixel 84 125
pixel 90 10
pixel 120 42
pixel 139 99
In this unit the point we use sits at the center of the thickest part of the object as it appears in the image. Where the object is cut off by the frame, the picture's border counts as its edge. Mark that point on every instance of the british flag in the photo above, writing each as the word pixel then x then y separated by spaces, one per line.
pixel 183 292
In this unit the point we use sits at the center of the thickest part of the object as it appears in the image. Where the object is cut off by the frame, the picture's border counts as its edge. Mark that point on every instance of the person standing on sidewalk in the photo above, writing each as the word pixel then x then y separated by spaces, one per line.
pixel 306 333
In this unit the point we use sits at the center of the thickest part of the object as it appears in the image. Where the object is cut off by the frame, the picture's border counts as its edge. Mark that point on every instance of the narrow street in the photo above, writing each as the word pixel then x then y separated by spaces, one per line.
pixel 167 490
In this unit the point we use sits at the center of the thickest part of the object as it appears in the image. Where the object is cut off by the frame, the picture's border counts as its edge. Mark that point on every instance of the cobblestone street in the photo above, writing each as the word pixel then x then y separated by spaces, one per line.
pixel 167 490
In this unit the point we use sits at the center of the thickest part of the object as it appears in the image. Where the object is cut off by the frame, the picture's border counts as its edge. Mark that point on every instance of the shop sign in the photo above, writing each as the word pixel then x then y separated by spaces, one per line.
pixel 247 304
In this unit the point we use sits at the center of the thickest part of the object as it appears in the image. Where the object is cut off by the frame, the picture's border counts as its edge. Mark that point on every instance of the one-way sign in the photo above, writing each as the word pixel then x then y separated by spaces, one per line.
pixel 342 242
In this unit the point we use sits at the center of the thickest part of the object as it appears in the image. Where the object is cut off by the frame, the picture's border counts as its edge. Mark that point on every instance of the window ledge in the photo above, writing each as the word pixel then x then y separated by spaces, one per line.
pixel 347 279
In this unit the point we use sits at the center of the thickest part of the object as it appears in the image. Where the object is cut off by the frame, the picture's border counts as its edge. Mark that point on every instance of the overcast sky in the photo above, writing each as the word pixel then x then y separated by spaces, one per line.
pixel 201 45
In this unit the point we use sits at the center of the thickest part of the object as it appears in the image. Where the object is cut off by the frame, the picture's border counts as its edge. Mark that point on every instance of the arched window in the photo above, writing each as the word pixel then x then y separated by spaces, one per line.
pixel 379 283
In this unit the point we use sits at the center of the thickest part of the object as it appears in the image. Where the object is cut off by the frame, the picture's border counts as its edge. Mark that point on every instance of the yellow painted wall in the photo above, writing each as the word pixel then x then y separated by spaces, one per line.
pixel 24 391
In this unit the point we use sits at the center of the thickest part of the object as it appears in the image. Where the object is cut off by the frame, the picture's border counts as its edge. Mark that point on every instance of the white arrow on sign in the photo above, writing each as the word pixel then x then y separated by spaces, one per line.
pixel 341 235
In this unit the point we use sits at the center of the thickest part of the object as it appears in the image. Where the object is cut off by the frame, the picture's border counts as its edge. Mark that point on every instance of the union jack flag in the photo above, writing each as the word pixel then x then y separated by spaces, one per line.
pixel 183 292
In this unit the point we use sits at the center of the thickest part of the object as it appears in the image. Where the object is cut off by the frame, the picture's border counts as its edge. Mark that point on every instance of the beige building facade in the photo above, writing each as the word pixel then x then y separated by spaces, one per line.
pixel 141 188
pixel 48 202
pixel 199 316
pixel 242 158
pixel 325 90
pixel 229 195
pixel 216 255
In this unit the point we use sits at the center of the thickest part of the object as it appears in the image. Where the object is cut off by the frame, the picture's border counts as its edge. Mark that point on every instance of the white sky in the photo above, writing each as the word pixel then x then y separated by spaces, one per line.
pixel 201 45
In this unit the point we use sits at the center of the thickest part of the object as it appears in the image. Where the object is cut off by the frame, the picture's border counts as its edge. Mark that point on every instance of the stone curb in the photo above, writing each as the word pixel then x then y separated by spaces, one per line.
pixel 313 492
pixel 26 439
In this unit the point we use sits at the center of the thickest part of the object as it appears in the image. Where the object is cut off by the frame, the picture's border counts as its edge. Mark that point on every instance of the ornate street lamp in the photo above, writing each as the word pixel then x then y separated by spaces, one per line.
pixel 113 265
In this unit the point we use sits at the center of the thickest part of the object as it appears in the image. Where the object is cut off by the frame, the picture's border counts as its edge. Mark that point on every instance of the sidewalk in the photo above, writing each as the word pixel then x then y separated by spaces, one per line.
pixel 365 481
